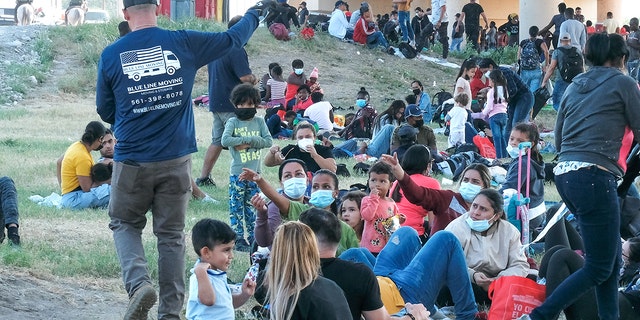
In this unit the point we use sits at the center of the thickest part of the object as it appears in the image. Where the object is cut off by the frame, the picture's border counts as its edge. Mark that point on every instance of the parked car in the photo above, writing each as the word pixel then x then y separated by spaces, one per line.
pixel 96 16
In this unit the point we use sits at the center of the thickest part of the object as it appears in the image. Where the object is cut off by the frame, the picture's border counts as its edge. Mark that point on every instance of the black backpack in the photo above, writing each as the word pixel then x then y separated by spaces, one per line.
pixel 572 64
pixel 437 102
pixel 407 50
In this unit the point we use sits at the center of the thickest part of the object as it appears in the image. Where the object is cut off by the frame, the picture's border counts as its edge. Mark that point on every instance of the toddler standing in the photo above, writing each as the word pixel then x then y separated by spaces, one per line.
pixel 209 294
pixel 496 110
pixel 245 135
pixel 377 209
pixel 457 118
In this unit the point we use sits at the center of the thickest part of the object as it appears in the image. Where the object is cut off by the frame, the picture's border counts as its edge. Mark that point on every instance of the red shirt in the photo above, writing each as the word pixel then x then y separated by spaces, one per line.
pixel 362 30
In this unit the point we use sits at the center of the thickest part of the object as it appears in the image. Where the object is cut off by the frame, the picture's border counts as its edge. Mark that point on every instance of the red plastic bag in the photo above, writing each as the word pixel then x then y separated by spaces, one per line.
pixel 513 296
pixel 485 146
pixel 307 33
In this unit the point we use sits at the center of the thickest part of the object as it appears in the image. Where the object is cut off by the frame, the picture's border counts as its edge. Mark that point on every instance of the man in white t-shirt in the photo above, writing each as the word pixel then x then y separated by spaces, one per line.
pixel 320 111
pixel 440 24
pixel 575 29
pixel 338 24
pixel 610 24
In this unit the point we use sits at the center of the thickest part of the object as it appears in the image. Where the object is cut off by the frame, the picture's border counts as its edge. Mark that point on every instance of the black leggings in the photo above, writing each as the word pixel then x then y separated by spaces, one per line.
pixel 558 264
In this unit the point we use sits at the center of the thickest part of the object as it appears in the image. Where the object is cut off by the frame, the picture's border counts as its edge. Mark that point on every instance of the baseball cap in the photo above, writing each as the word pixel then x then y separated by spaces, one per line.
pixel 407 132
pixel 412 110
pixel 339 3
pixel 565 36
pixel 129 3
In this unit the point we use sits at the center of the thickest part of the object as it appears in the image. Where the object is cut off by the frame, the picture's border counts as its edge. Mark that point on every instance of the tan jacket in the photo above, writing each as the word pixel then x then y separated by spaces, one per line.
pixel 404 6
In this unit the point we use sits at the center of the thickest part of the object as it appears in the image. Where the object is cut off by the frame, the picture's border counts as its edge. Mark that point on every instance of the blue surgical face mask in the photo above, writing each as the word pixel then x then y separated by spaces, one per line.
pixel 512 151
pixel 361 103
pixel 469 191
pixel 322 198
pixel 478 225
pixel 294 188
pixel 298 71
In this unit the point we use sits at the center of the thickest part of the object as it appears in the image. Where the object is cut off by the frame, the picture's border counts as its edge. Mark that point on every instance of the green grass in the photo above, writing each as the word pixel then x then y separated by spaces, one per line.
pixel 79 243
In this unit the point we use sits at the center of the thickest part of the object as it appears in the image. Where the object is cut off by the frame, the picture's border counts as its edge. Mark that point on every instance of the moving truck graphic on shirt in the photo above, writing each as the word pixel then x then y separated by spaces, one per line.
pixel 148 62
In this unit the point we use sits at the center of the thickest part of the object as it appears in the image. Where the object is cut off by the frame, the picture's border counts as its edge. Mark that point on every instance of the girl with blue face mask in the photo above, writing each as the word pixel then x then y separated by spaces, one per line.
pixel 491 244
pixel 324 191
pixel 363 121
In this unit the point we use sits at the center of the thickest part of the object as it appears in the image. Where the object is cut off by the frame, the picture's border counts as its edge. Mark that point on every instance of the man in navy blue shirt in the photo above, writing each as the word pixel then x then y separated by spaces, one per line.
pixel 144 90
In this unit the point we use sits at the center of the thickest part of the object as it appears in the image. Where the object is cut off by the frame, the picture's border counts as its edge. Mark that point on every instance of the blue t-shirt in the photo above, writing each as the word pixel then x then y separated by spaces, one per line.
pixel 144 87
pixel 224 75
pixel 222 309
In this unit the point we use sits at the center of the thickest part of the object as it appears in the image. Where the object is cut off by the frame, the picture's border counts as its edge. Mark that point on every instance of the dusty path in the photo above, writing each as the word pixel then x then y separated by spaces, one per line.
pixel 24 294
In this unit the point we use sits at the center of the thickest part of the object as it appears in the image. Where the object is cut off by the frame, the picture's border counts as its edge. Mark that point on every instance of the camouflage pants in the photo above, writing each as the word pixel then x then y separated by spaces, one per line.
pixel 241 214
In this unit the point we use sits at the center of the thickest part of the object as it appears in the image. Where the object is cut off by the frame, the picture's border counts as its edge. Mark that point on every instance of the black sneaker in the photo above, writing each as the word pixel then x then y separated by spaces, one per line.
pixel 14 237
pixel 242 245
pixel 206 181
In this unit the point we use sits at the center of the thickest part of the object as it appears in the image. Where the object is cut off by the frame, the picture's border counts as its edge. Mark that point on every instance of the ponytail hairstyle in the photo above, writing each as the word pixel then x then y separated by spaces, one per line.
pixel 363 94
pixel 467 65
pixel 93 131
pixel 531 130
pixel 499 80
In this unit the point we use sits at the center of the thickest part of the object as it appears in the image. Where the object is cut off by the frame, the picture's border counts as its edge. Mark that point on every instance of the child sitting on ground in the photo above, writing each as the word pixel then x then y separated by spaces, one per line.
pixel 209 294
pixel 457 118
pixel 295 79
pixel 377 209
pixel 245 135
pixel 276 87
pixel 313 81
pixel 350 211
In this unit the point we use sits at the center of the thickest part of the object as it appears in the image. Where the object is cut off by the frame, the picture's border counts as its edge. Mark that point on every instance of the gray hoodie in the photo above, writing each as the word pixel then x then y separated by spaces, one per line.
pixel 594 111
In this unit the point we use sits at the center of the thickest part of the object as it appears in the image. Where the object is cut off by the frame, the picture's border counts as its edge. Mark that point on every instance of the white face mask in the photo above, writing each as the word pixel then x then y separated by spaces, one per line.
pixel 303 143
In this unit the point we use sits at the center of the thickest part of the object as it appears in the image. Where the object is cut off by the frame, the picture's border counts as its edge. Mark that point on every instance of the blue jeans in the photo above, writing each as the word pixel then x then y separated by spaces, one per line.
pixel 455 44
pixel 8 202
pixel 240 212
pixel 376 39
pixel 405 26
pixel 590 194
pixel 519 108
pixel 360 255
pixel 378 146
pixel 498 124
pixel 532 78
pixel 164 188
pixel 633 67
pixel 97 197
pixel 421 272
pixel 559 86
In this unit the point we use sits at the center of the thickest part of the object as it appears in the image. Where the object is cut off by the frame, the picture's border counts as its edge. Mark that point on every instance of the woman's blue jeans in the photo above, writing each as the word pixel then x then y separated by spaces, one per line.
pixel 590 194
pixel 519 108
pixel 498 124
pixel 532 78
pixel 420 272
pixel 405 26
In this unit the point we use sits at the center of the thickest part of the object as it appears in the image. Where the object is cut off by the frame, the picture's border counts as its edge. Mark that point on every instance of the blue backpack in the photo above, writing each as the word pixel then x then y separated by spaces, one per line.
pixel 529 57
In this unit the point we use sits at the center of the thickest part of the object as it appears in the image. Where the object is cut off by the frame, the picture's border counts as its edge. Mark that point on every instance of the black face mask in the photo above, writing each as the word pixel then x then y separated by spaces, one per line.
pixel 245 113
pixel 416 91
pixel 419 123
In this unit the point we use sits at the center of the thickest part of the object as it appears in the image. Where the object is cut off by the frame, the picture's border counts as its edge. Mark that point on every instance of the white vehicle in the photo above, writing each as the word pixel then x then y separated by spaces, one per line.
pixel 96 16
pixel 148 62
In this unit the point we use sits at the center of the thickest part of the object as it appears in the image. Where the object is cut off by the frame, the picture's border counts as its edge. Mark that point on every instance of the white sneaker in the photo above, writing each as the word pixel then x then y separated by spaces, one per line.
pixel 412 43
pixel 208 199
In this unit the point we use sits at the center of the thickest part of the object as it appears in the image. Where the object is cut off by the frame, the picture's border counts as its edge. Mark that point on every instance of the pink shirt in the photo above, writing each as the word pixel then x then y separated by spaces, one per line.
pixel 376 213
pixel 491 109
